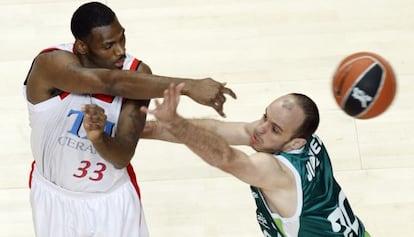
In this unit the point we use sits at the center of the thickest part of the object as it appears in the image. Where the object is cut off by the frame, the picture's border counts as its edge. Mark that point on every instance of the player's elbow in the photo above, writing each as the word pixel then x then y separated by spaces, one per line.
pixel 120 164
pixel 123 160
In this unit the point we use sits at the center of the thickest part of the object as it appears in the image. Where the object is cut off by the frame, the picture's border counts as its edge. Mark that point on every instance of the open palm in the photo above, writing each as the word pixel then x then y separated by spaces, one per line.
pixel 166 111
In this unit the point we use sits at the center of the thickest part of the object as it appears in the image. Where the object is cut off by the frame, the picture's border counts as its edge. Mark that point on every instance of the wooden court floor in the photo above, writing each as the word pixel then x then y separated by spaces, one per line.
pixel 262 49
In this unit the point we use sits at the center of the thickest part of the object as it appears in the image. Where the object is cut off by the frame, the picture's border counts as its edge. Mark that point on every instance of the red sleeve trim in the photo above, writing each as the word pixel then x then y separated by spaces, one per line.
pixel 134 64
pixel 49 49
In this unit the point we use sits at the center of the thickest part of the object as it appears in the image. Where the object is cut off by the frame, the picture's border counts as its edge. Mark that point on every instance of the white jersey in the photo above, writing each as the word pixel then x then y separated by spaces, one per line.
pixel 63 154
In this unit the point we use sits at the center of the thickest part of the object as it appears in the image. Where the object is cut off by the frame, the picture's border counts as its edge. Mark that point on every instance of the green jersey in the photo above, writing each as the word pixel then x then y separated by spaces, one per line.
pixel 322 207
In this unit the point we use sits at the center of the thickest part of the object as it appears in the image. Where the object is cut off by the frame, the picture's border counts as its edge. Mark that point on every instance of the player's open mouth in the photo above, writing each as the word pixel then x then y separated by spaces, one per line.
pixel 120 63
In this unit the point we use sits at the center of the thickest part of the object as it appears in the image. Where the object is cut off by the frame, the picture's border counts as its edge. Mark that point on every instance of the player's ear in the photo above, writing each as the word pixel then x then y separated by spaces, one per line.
pixel 295 144
pixel 81 47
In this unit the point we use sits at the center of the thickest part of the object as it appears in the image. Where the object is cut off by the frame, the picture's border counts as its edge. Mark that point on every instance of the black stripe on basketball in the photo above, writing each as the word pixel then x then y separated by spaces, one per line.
pixel 364 91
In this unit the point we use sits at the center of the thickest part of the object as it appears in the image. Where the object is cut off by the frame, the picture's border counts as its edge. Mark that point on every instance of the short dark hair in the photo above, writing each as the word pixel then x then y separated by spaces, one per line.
pixel 89 16
pixel 311 121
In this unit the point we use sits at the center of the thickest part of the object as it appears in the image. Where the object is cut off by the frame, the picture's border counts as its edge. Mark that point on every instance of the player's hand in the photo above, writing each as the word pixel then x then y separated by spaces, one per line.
pixel 94 121
pixel 166 112
pixel 209 92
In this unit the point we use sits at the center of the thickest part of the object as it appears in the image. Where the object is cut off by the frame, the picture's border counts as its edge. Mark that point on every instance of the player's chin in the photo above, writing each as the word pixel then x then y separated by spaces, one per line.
pixel 115 66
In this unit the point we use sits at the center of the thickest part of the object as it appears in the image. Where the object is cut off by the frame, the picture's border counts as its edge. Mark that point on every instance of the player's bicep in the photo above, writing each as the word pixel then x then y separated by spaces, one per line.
pixel 144 68
pixel 62 70
pixel 260 170
pixel 235 133
pixel 131 121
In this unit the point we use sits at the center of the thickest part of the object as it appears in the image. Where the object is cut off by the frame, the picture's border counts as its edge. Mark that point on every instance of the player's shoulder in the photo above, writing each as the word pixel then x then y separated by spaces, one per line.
pixel 143 67
pixel 264 158
pixel 55 57
pixel 67 48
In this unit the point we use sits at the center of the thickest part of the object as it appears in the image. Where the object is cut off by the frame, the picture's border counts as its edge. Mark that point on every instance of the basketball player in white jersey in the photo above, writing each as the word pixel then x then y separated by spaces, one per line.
pixel 87 187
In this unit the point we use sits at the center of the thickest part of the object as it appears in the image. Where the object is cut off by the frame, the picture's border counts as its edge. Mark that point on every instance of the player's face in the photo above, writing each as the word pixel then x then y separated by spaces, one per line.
pixel 278 125
pixel 106 46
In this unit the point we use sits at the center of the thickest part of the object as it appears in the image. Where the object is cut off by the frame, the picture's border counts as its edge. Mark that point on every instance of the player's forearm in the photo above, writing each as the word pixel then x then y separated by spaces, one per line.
pixel 153 130
pixel 119 153
pixel 136 85
pixel 211 147
pixel 234 133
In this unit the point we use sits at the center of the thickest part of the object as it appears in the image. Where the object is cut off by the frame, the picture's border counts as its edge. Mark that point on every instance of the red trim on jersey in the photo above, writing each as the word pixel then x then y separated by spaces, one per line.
pixel 134 64
pixel 49 49
pixel 63 95
pixel 31 174
pixel 103 97
pixel 133 178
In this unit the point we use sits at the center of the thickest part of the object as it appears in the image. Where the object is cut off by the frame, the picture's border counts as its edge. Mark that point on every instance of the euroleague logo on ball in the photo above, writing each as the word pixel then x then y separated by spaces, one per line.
pixel 364 85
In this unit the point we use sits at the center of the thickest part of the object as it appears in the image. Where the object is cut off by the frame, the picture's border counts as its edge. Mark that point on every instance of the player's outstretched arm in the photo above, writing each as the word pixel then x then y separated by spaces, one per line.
pixel 235 133
pixel 60 70
pixel 260 169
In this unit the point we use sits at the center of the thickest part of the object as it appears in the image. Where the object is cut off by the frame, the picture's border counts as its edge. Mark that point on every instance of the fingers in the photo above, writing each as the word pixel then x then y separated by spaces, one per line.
pixel 176 93
pixel 179 88
pixel 229 92
pixel 172 96
pixel 144 109
pixel 220 99
pixel 167 108
pixel 217 104
pixel 219 108
pixel 95 117
pixel 92 109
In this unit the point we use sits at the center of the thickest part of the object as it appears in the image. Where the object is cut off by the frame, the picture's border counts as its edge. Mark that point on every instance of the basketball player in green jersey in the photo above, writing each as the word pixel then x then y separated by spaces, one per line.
pixel 290 174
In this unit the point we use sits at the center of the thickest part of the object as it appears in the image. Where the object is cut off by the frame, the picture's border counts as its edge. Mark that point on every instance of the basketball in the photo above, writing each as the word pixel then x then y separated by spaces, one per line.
pixel 364 85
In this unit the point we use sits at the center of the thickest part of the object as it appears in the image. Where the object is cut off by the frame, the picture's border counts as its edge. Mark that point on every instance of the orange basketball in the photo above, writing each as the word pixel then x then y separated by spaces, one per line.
pixel 364 85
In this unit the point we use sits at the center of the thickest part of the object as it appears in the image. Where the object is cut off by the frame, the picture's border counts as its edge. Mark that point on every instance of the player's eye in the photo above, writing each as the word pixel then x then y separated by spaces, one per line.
pixel 108 46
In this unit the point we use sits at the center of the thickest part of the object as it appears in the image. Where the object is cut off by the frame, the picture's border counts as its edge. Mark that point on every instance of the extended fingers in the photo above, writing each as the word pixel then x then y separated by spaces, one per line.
pixel 172 95
pixel 228 91
pixel 219 108
pixel 169 103
pixel 220 99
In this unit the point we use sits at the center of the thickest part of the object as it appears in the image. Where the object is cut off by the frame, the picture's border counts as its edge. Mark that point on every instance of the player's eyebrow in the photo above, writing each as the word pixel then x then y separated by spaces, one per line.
pixel 274 124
